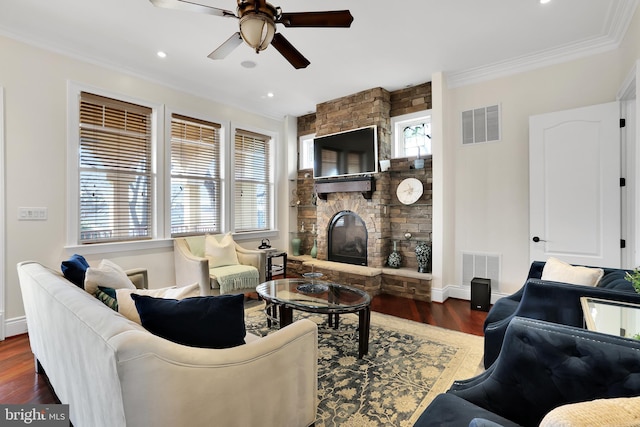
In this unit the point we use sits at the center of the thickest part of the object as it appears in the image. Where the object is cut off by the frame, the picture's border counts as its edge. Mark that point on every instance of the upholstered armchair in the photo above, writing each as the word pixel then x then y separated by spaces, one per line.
pixel 217 271
pixel 543 366
pixel 551 301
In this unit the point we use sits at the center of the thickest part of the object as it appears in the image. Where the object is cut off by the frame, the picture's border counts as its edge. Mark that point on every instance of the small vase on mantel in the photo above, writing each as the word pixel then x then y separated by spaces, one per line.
pixel 395 259
pixel 295 245
pixel 314 249
pixel 423 256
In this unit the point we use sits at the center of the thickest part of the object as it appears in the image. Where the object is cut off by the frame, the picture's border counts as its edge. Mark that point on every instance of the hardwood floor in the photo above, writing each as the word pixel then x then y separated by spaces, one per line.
pixel 20 384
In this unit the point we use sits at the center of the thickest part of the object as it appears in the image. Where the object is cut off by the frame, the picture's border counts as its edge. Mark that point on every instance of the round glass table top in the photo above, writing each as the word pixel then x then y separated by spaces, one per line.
pixel 316 296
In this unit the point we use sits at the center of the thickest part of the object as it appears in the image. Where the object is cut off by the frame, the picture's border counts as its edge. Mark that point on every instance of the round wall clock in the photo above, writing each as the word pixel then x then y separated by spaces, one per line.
pixel 409 191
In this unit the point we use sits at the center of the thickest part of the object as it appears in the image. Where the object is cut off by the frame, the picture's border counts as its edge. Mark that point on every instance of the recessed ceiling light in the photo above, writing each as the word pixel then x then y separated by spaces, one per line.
pixel 161 54
pixel 270 95
pixel 248 64
pixel 544 1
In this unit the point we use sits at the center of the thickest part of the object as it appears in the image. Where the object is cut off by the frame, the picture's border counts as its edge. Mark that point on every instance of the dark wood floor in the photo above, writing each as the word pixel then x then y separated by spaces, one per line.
pixel 20 384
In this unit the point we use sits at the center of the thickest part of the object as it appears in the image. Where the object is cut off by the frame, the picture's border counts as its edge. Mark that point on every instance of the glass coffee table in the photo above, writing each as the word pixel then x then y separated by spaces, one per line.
pixel 317 296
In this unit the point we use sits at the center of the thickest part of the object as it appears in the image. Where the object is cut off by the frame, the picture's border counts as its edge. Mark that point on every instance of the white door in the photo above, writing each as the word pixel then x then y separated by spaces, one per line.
pixel 574 185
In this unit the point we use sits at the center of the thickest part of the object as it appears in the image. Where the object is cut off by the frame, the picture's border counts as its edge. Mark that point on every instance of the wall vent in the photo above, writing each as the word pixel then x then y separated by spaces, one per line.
pixel 481 265
pixel 481 125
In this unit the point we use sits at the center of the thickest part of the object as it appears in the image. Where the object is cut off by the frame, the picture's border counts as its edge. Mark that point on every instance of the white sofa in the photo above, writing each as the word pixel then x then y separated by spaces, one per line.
pixel 112 372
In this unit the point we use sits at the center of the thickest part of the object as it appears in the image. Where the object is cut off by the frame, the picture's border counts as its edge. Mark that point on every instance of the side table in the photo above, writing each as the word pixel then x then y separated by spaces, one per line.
pixel 276 269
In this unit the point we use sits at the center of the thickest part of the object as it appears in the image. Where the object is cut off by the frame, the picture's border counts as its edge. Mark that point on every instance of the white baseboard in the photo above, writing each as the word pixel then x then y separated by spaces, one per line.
pixel 458 292
pixel 16 326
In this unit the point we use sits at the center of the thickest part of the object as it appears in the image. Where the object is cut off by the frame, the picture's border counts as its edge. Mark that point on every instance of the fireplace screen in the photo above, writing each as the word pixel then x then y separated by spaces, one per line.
pixel 348 239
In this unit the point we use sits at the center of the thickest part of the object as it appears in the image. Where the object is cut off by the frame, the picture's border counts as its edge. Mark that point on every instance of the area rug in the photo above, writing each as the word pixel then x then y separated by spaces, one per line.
pixel 408 364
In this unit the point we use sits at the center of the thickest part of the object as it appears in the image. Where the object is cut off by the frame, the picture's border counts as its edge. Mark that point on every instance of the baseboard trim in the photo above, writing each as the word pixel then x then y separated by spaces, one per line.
pixel 458 292
pixel 15 326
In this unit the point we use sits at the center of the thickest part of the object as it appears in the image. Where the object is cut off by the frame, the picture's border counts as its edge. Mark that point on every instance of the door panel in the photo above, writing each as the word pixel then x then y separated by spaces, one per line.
pixel 574 173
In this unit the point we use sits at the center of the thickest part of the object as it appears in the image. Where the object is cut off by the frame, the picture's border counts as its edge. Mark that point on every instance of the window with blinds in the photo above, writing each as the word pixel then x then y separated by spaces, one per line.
pixel 253 185
pixel 114 170
pixel 195 176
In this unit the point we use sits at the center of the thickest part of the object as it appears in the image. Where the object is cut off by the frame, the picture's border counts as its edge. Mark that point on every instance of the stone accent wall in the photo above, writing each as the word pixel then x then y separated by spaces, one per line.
pixel 307 124
pixel 367 108
pixel 410 100
pixel 386 218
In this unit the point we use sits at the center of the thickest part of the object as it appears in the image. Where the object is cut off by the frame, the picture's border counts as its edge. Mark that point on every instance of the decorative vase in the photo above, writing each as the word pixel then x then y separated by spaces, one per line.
pixel 423 256
pixel 395 259
pixel 295 246
pixel 314 249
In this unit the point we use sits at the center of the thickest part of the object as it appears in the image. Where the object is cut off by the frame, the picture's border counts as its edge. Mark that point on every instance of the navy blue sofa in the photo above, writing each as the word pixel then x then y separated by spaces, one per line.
pixel 550 301
pixel 541 366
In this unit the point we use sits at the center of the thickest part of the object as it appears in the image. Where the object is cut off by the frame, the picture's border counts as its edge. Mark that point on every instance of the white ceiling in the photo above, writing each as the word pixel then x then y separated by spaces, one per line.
pixel 390 44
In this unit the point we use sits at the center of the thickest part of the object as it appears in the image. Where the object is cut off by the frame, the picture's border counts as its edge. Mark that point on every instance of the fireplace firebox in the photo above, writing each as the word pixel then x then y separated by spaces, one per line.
pixel 347 239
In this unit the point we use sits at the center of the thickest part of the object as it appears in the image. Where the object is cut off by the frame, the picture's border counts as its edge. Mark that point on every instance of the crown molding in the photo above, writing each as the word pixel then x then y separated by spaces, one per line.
pixel 618 23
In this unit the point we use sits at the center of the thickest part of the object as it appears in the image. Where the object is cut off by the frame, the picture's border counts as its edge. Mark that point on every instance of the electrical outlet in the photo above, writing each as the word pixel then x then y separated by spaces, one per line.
pixel 32 214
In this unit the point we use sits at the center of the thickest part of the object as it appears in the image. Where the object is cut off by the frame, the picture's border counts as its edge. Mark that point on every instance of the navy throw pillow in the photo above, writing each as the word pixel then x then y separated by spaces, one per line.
pixel 74 269
pixel 208 321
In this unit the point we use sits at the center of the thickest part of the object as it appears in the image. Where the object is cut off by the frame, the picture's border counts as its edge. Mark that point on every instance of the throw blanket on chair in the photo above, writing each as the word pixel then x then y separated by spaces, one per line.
pixel 234 277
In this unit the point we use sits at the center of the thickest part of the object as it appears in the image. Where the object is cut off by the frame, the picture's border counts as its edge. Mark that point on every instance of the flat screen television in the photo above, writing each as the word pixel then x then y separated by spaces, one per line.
pixel 354 152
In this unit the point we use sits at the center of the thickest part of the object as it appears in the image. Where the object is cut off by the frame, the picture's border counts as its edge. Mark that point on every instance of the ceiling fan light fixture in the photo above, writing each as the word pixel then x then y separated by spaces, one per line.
pixel 257 30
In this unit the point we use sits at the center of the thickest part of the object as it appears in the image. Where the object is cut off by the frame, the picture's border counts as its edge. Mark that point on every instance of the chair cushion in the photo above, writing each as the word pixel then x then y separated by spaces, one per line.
pixel 107 274
pixel 559 271
pixel 74 269
pixel 208 322
pixel 196 245
pixel 220 252
pixel 616 280
pixel 449 410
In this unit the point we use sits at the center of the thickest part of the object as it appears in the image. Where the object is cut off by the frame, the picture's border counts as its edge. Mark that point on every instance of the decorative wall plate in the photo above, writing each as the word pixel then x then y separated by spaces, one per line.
pixel 409 191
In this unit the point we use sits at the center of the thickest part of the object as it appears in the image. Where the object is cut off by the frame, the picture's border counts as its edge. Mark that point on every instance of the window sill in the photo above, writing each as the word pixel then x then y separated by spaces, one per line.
pixel 107 248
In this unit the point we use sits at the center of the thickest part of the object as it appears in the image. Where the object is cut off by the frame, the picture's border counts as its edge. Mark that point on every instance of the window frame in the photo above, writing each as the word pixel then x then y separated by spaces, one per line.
pixel 160 175
pixel 157 235
pixel 230 207
pixel 402 121
pixel 302 150
pixel 224 149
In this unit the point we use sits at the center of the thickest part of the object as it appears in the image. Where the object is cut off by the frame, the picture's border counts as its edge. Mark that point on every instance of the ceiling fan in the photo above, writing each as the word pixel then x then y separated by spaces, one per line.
pixel 258 21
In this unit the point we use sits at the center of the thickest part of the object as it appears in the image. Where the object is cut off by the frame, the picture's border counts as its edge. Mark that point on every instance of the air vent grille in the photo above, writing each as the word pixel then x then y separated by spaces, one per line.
pixel 481 265
pixel 481 125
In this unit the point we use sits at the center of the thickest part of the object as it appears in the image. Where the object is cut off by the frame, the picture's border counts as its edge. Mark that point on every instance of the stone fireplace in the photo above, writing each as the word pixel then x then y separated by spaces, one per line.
pixel 377 217
pixel 370 217
pixel 347 239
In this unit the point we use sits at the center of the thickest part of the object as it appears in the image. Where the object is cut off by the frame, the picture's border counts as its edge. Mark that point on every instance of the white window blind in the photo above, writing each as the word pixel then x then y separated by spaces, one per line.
pixel 252 182
pixel 114 170
pixel 195 176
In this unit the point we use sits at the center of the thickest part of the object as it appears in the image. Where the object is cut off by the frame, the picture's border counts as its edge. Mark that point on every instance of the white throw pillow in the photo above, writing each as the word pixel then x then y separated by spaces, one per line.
pixel 127 307
pixel 560 271
pixel 220 253
pixel 107 274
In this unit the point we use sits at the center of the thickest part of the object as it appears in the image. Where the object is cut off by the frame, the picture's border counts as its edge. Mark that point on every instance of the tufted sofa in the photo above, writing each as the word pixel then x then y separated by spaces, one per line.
pixel 550 301
pixel 542 366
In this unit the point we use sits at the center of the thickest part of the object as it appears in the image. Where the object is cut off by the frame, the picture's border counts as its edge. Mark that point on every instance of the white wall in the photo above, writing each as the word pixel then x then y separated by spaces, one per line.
pixel 35 86
pixel 491 180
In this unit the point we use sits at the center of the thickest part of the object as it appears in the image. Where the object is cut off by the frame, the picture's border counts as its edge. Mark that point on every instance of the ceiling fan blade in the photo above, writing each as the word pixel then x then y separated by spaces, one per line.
pixel 227 47
pixel 192 7
pixel 335 18
pixel 290 53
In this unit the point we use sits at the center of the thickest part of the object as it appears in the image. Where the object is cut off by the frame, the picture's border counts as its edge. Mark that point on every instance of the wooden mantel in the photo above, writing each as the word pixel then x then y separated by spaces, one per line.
pixel 365 185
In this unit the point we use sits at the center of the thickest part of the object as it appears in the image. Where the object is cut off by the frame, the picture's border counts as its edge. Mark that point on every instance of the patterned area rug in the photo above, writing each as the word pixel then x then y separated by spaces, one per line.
pixel 408 364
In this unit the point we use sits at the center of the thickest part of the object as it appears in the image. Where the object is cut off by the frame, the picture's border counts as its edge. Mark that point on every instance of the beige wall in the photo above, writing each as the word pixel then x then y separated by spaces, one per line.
pixel 490 182
pixel 35 85
pixel 481 204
